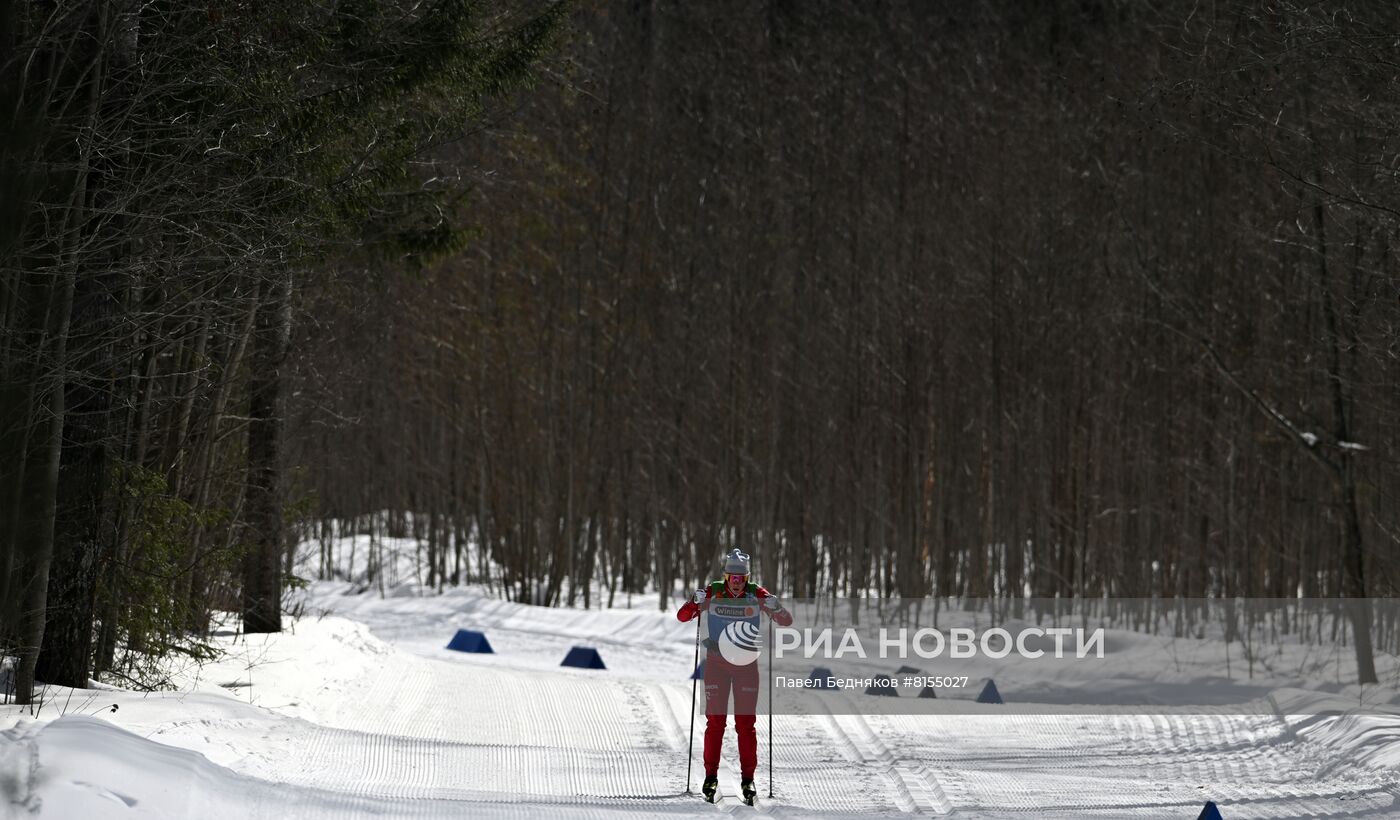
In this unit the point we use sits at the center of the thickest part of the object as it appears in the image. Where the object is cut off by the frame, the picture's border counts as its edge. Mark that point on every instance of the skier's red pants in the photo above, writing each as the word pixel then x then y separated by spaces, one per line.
pixel 720 677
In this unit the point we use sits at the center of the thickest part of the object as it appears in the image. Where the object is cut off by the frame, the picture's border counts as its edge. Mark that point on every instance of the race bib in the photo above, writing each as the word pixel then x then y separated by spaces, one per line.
pixel 734 629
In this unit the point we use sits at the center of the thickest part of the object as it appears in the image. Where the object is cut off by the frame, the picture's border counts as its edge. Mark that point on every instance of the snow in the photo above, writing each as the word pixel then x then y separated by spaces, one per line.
pixel 358 710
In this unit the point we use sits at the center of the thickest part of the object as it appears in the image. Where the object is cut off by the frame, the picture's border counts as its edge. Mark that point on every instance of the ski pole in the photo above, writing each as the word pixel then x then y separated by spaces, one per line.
pixel 770 706
pixel 690 754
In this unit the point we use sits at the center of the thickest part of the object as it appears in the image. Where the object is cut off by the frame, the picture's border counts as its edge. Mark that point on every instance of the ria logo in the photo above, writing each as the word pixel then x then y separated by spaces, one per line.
pixel 738 644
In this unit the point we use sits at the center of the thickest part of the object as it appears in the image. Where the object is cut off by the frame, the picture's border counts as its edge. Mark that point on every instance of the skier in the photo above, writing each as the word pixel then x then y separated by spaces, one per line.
pixel 731 661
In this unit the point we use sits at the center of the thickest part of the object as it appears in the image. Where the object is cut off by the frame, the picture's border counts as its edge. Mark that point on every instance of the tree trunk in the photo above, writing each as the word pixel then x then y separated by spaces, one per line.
pixel 16 409
pixel 262 565
pixel 197 595
pixel 34 535
pixel 82 524
pixel 1353 548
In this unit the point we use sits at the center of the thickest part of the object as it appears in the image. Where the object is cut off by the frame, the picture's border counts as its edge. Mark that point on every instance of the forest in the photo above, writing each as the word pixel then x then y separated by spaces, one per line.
pixel 1067 300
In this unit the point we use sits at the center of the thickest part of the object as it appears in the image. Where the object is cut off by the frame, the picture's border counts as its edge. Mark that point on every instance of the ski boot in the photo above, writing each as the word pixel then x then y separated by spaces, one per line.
pixel 749 791
pixel 710 787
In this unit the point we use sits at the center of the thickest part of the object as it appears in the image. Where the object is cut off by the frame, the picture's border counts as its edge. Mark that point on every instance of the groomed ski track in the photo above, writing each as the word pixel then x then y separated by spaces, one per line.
pixel 414 731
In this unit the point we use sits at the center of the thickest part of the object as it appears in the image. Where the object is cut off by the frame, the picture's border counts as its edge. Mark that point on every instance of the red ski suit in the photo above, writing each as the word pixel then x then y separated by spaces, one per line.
pixel 720 677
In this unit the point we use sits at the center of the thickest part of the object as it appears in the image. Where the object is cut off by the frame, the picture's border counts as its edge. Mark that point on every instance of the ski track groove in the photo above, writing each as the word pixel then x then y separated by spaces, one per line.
pixel 433 736
pixel 406 751
pixel 1244 762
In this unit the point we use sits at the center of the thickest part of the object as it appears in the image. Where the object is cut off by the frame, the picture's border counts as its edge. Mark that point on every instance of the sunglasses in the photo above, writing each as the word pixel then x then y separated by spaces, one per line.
pixel 729 576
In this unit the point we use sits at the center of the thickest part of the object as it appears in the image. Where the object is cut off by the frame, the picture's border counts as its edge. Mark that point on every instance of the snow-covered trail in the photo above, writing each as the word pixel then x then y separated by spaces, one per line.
pixel 364 714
